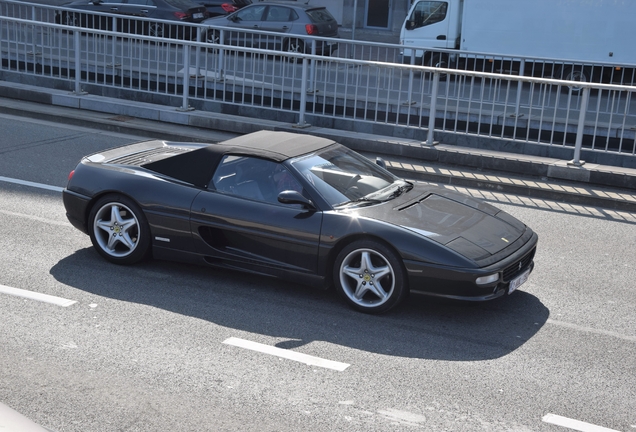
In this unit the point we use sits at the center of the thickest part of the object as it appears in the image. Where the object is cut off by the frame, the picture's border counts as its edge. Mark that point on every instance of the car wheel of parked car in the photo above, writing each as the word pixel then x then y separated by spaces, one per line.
pixel 155 30
pixel 370 276
pixel 213 37
pixel 70 19
pixel 295 46
pixel 119 230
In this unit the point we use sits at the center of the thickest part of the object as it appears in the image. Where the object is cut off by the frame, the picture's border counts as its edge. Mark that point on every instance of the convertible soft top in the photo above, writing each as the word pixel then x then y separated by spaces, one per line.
pixel 197 166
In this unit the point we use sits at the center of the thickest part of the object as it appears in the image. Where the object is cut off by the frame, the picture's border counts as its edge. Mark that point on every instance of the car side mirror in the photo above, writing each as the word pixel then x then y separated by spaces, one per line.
pixel 379 161
pixel 410 25
pixel 293 197
pixel 97 2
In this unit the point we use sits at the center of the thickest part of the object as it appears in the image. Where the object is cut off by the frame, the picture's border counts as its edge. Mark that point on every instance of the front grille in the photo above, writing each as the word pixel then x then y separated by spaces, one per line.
pixel 147 156
pixel 519 266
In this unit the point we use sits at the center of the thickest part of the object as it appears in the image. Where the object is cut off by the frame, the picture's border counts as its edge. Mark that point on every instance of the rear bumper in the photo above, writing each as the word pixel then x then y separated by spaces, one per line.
pixel 76 206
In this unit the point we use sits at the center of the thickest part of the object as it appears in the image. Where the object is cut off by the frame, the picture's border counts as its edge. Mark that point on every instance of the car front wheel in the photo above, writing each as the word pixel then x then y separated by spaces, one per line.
pixel 370 276
pixel 119 230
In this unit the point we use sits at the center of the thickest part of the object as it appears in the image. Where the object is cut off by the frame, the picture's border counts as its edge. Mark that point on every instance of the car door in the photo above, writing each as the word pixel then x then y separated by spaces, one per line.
pixel 239 220
pixel 276 19
pixel 248 18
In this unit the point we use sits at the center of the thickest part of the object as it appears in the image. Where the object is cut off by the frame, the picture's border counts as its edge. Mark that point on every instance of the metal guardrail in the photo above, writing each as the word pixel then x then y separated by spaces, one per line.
pixel 361 82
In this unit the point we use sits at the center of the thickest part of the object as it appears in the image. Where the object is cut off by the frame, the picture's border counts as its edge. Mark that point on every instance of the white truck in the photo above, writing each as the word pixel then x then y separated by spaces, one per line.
pixel 578 40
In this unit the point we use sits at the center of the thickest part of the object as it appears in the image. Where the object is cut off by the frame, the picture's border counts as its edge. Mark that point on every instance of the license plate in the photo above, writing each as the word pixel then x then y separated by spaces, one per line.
pixel 197 15
pixel 518 281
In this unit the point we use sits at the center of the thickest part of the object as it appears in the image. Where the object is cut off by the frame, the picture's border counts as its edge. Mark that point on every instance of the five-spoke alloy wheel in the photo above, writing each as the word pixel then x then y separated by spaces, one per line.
pixel 370 276
pixel 118 230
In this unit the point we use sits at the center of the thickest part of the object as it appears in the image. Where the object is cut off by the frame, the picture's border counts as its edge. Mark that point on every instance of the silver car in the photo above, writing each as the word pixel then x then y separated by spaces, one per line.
pixel 292 19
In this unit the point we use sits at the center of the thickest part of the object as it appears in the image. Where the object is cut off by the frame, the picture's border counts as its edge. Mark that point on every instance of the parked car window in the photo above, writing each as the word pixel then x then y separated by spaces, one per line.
pixel 253 13
pixel 278 13
pixel 320 15
pixel 427 13
pixel 254 178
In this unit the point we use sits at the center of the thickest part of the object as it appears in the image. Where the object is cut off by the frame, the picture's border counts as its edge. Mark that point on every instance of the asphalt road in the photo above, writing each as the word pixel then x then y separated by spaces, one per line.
pixel 148 347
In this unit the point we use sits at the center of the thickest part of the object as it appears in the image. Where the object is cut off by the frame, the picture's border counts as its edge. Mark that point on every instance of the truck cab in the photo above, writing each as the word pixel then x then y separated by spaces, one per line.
pixel 430 24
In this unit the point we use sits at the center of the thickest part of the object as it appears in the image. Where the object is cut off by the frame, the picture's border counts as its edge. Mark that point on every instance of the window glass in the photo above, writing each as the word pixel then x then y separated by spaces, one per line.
pixel 342 176
pixel 253 178
pixel 251 13
pixel 320 15
pixel 278 13
pixel 427 13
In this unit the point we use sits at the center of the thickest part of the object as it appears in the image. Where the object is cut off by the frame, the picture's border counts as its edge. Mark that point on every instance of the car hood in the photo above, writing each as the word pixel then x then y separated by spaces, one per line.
pixel 470 227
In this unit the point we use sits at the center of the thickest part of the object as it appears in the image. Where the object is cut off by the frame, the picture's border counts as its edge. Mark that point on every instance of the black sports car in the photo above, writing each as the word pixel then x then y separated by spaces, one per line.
pixel 299 207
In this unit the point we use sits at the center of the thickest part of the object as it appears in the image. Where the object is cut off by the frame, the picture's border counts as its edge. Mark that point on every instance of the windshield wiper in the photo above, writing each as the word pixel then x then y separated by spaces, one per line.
pixel 361 200
pixel 400 190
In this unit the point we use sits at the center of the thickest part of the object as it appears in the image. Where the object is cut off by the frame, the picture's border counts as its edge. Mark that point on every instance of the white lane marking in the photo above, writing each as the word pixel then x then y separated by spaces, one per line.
pixel 574 424
pixel 290 355
pixel 59 301
pixel 591 330
pixel 32 184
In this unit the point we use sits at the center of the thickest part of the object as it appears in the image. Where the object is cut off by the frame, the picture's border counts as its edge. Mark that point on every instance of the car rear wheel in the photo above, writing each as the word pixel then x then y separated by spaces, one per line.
pixel 155 29
pixel 294 46
pixel 370 276
pixel 119 230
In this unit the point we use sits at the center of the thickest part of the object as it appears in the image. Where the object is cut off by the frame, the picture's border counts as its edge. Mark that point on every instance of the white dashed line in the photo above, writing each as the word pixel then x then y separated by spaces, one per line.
pixel 31 184
pixel 290 355
pixel 574 424
pixel 59 301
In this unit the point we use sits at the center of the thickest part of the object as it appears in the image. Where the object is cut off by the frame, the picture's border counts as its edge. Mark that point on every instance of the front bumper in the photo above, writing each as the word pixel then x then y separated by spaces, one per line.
pixel 460 284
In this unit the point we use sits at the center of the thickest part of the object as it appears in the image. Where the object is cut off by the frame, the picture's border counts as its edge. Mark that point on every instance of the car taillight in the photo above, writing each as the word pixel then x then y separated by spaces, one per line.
pixel 181 15
pixel 229 8
pixel 70 175
pixel 311 29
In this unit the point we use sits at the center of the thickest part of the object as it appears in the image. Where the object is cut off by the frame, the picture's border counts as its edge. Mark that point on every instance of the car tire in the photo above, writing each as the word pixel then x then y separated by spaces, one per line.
pixel 370 276
pixel 294 46
pixel 119 230
pixel 155 30
pixel 438 60
pixel 213 37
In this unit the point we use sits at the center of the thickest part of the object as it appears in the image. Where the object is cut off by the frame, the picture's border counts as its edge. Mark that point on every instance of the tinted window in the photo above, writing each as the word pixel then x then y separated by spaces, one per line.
pixel 320 15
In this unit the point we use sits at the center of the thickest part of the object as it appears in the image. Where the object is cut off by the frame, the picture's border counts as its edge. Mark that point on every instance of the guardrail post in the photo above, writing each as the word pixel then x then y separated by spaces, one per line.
pixel 114 43
pixel 579 130
pixel 303 97
pixel 522 68
pixel 433 110
pixel 221 58
pixel 197 71
pixel 411 76
pixel 78 66
pixel 312 71
pixel 186 79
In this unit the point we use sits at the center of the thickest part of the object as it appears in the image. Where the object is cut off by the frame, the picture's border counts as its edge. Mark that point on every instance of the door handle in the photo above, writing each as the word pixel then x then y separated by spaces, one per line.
pixel 114 8
pixel 441 37
pixel 144 11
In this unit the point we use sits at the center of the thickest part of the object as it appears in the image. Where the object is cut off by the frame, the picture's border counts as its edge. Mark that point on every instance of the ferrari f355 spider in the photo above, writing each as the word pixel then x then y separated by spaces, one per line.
pixel 298 207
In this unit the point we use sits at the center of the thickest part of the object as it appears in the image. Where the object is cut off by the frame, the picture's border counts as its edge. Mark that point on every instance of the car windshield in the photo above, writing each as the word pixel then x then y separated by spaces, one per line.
pixel 343 177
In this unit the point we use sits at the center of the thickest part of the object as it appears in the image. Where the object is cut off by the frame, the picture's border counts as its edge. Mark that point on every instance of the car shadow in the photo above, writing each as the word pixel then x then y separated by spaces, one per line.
pixel 422 327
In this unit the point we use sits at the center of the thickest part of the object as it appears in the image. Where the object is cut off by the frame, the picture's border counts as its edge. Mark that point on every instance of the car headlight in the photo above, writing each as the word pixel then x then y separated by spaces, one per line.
pixel 485 280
